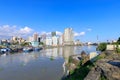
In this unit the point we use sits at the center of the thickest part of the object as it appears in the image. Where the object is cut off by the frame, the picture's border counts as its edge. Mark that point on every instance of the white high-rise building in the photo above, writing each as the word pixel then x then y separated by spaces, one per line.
pixel 35 37
pixel 68 36
pixel 48 41
pixel 43 38
pixel 54 40
pixel 30 39
pixel 61 40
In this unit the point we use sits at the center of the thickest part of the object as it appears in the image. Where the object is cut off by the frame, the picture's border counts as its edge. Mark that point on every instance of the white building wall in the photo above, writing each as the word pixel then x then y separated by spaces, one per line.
pixel 54 41
pixel 49 41
pixel 61 40
pixel 30 39
pixel 35 37
pixel 68 36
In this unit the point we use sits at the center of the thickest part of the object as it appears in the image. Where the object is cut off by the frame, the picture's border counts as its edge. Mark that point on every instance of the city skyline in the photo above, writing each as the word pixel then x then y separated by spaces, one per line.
pixel 89 19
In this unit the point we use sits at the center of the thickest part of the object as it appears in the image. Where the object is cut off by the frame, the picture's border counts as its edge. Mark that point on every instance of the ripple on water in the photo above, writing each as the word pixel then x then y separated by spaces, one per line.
pixel 1 69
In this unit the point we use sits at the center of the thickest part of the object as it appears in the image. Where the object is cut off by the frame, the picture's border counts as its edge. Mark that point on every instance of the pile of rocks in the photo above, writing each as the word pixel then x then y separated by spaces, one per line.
pixel 108 68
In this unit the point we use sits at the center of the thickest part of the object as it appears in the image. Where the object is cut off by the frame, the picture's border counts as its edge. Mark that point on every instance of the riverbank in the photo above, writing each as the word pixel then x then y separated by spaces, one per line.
pixel 105 66
pixel 18 49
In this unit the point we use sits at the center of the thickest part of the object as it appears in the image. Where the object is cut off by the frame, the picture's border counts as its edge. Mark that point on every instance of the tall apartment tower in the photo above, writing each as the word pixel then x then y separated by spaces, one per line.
pixel 68 36
pixel 53 34
pixel 35 37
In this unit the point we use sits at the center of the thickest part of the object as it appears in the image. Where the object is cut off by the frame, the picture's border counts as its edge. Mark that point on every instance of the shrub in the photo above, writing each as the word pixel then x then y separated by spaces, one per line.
pixel 25 44
pixel 102 47
pixel 118 41
pixel 117 49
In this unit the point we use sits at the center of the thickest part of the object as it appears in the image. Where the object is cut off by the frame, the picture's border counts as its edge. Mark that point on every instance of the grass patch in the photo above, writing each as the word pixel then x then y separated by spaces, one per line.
pixel 103 78
pixel 99 57
pixel 81 72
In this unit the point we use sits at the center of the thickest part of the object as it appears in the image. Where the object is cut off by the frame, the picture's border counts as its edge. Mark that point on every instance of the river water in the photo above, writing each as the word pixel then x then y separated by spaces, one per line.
pixel 46 64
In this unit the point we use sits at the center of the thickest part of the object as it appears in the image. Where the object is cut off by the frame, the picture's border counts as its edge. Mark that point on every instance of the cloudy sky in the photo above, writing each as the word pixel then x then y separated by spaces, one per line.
pixel 88 18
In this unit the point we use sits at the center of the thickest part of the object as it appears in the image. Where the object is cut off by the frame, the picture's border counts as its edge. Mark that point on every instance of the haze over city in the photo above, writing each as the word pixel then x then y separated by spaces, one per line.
pixel 88 19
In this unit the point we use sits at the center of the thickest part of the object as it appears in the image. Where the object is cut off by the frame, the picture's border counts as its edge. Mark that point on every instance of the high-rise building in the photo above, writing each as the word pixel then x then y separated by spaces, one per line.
pixel 35 37
pixel 39 39
pixel 68 36
pixel 54 40
pixel 48 41
pixel 61 40
pixel 53 33
pixel 43 38
pixel 30 39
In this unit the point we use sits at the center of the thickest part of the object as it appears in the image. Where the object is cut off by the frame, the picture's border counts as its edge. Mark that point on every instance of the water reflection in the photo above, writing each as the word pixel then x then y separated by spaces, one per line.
pixel 37 65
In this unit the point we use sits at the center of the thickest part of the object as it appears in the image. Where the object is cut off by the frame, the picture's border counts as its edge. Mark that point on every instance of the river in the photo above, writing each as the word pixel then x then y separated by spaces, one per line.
pixel 43 65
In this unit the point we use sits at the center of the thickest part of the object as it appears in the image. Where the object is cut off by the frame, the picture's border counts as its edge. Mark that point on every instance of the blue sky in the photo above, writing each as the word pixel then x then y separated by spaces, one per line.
pixel 88 18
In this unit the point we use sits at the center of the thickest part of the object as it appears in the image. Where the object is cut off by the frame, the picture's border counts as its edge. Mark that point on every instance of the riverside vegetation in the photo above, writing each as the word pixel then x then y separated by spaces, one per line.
pixel 106 66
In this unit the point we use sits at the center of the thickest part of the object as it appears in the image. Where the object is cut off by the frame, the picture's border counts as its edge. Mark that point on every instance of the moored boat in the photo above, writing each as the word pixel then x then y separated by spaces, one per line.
pixel 27 49
pixel 37 48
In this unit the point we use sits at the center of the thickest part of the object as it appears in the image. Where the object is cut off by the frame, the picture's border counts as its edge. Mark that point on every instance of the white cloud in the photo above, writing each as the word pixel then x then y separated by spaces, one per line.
pixel 89 29
pixel 8 31
pixel 25 30
pixel 58 33
pixel 49 33
pixel 79 34
pixel 82 33
pixel 76 34
pixel 44 32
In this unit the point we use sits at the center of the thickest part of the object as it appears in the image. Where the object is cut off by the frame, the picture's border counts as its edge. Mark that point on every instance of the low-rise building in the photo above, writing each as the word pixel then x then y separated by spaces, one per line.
pixel 89 43
pixel 77 42
pixel 35 43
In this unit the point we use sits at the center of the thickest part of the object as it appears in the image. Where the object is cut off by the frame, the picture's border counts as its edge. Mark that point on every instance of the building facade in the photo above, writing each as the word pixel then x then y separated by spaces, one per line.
pixel 68 36
pixel 30 39
pixel 54 41
pixel 48 41
pixel 35 37
pixel 61 40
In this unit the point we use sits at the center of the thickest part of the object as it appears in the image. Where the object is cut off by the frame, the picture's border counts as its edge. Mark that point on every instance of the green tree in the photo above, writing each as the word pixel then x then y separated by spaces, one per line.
pixel 41 43
pixel 15 43
pixel 118 41
pixel 102 46
pixel 25 44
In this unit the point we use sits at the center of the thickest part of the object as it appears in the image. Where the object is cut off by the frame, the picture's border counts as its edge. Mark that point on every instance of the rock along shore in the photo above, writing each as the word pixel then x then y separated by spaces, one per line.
pixel 105 67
